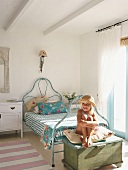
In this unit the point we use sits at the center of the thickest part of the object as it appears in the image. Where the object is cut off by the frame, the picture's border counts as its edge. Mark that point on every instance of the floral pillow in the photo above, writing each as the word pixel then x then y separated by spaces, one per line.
pixel 51 108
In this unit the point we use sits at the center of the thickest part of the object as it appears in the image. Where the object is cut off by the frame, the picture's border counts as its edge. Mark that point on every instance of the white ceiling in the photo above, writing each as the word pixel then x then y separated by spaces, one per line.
pixel 67 16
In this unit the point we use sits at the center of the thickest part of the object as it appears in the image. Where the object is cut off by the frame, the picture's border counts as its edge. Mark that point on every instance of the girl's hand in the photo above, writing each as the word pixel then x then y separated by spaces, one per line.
pixel 82 124
pixel 86 124
pixel 92 123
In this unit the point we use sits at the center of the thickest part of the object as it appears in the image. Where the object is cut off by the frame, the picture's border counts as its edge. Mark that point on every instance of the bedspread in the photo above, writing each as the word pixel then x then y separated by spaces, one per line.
pixel 46 137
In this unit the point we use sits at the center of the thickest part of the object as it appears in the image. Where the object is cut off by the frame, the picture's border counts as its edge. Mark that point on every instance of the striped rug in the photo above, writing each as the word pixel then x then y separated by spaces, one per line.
pixel 19 155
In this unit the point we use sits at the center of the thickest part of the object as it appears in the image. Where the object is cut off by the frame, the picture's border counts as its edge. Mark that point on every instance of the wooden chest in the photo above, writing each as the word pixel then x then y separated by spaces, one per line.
pixel 99 154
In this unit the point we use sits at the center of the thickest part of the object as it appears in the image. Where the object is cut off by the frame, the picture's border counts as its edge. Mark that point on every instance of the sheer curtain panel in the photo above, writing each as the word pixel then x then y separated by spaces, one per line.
pixel 108 47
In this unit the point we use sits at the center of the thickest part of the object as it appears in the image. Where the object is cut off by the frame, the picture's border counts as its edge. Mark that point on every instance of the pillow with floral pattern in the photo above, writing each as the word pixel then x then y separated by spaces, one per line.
pixel 51 108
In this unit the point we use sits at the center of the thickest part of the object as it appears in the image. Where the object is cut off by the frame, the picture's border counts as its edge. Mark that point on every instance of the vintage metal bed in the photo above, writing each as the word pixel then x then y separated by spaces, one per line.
pixel 50 125
pixel 41 88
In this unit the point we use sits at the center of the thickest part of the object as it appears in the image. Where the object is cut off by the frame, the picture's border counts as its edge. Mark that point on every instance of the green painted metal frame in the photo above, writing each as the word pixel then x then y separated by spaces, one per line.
pixel 38 81
pixel 60 98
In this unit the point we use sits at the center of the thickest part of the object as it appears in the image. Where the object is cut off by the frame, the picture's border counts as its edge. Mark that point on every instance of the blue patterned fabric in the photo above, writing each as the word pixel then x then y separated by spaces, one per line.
pixel 68 123
pixel 51 108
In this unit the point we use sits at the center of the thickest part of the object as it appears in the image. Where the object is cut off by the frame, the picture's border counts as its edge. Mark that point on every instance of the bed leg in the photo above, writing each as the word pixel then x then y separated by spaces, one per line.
pixel 53 165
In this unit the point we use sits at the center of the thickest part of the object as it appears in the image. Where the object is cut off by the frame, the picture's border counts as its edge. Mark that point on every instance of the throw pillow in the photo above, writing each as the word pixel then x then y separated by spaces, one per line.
pixel 31 104
pixel 100 135
pixel 51 108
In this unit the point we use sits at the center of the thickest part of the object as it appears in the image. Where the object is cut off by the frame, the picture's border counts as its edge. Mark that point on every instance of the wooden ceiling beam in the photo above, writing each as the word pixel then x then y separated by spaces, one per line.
pixel 73 15
pixel 23 8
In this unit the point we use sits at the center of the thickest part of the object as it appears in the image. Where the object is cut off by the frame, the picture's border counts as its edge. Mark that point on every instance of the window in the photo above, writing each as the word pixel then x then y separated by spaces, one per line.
pixel 117 107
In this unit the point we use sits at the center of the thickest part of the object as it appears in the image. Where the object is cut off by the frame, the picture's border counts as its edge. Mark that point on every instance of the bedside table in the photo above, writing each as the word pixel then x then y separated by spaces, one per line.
pixel 11 116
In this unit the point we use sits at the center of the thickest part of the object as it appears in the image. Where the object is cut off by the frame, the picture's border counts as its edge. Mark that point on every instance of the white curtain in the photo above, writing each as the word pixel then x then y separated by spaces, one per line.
pixel 109 44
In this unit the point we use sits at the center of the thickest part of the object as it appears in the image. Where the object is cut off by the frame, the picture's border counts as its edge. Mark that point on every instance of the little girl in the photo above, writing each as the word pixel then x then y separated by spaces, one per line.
pixel 86 120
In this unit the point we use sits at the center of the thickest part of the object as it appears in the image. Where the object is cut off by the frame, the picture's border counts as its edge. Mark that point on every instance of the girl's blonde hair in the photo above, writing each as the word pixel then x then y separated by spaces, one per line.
pixel 87 99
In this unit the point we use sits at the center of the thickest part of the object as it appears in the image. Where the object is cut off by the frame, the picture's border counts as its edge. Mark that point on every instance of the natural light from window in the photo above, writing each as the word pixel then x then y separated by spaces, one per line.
pixel 120 92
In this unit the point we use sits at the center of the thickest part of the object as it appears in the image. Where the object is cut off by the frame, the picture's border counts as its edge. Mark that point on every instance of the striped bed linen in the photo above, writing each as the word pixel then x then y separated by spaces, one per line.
pixel 38 122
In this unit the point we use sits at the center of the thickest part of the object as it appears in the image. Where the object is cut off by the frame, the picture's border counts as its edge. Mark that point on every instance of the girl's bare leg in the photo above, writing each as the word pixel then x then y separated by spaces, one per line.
pixel 83 133
pixel 87 133
pixel 85 142
pixel 90 132
pixel 90 138
pixel 79 130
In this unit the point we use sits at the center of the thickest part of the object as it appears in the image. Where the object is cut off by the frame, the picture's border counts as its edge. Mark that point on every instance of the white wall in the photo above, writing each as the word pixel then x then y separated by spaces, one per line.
pixel 124 32
pixel 61 67
pixel 88 67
